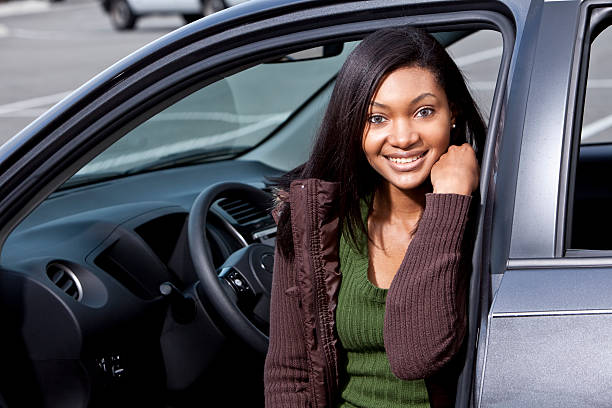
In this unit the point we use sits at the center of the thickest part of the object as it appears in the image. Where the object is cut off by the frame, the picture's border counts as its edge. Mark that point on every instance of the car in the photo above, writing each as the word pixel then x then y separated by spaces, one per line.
pixel 134 215
pixel 125 13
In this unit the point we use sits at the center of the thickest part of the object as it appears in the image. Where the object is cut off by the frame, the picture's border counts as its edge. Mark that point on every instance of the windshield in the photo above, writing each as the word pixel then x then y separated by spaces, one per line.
pixel 218 122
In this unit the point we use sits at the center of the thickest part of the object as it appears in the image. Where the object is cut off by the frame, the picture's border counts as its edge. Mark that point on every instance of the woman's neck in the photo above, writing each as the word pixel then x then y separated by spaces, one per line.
pixel 397 206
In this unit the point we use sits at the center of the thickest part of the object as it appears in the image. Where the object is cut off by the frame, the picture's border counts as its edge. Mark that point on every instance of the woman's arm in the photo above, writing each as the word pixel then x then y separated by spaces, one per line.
pixel 425 316
pixel 286 367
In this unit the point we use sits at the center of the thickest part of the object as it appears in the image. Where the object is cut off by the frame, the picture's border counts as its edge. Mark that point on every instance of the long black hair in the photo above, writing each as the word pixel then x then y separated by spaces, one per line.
pixel 337 153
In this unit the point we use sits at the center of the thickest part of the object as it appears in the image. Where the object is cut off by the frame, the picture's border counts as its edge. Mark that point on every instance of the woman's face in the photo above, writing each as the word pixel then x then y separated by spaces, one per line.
pixel 408 127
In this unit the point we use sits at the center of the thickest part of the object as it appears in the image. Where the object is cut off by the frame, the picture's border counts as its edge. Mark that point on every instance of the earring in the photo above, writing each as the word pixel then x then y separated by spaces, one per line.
pixel 453 126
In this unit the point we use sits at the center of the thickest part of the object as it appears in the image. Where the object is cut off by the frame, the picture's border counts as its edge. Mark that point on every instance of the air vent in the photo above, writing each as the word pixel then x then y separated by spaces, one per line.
pixel 65 279
pixel 242 211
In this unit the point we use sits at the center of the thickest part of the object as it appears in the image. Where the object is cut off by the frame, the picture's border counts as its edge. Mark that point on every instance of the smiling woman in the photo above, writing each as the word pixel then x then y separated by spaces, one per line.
pixel 389 298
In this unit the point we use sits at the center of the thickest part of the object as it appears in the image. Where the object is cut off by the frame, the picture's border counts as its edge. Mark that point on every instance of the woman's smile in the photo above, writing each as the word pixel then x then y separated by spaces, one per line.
pixel 406 162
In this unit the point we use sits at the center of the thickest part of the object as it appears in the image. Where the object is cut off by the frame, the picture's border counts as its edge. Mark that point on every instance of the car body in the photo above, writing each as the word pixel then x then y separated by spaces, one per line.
pixel 125 13
pixel 146 320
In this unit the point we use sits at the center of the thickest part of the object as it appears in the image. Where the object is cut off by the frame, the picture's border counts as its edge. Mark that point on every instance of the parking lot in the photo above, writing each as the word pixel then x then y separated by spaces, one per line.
pixel 50 49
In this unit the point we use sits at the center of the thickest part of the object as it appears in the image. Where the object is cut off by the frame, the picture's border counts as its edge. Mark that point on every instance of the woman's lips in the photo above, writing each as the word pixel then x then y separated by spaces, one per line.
pixel 406 163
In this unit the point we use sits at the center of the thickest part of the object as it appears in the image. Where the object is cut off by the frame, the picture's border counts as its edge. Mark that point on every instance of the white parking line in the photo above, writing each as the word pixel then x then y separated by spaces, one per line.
pixel 599 83
pixel 481 85
pixel 183 146
pixel 41 35
pixel 479 56
pixel 37 106
pixel 23 7
pixel 4 31
pixel 490 85
pixel 227 117
pixel 32 103
pixel 26 113
pixel 594 128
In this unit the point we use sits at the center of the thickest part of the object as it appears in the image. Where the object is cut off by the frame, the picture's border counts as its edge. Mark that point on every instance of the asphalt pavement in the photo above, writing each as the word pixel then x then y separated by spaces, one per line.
pixel 49 49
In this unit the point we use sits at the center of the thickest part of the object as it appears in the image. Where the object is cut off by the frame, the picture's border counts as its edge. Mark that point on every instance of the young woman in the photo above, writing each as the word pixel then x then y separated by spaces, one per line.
pixel 369 292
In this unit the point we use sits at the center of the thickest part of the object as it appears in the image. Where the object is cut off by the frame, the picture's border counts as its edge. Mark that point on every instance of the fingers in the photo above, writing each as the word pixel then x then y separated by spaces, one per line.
pixel 456 171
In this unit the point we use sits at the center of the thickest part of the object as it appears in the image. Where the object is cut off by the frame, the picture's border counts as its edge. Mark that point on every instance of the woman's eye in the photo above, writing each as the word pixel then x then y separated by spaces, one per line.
pixel 376 119
pixel 423 113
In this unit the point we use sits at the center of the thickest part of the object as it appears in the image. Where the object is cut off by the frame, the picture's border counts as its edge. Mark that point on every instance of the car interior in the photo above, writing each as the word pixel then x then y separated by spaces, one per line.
pixel 107 298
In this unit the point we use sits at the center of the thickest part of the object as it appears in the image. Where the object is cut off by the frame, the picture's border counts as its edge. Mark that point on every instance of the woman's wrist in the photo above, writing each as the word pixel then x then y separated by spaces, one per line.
pixel 452 190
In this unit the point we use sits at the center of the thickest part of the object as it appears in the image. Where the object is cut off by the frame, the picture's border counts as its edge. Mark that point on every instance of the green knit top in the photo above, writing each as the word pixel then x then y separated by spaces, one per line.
pixel 365 375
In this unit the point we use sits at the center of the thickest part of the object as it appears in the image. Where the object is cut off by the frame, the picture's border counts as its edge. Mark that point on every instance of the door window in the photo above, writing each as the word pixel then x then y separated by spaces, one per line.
pixel 231 116
pixel 220 121
pixel 591 221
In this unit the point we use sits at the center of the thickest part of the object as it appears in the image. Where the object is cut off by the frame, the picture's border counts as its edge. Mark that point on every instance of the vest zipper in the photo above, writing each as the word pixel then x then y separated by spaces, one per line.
pixel 321 294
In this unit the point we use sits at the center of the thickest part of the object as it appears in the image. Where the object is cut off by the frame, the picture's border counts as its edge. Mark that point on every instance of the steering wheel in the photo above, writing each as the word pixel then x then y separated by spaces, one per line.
pixel 240 292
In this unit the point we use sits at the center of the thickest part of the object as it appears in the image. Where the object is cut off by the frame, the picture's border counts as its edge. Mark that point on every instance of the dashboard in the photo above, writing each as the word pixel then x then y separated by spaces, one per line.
pixel 81 280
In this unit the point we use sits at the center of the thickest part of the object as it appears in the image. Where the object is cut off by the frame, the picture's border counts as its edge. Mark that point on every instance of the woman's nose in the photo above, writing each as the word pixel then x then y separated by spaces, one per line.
pixel 403 134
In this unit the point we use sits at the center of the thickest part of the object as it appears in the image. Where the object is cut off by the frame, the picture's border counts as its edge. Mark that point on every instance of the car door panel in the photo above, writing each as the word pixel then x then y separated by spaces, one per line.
pixel 548 361
pixel 545 343
pixel 526 292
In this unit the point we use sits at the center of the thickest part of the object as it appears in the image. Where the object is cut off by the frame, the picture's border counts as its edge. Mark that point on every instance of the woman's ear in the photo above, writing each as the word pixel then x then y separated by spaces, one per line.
pixel 453 118
pixel 454 137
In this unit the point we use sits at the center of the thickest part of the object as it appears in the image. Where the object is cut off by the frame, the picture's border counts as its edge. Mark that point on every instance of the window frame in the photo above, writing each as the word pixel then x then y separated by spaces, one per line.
pixel 595 16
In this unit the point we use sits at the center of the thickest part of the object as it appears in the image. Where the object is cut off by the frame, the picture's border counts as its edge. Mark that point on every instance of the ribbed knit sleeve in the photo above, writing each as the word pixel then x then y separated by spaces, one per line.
pixel 286 367
pixel 425 317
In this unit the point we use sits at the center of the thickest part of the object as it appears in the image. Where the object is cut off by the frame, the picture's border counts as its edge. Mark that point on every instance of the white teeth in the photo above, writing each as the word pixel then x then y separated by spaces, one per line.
pixel 406 160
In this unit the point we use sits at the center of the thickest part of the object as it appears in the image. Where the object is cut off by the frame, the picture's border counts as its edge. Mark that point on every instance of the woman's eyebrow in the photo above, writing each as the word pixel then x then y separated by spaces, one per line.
pixel 422 96
pixel 381 105
pixel 415 100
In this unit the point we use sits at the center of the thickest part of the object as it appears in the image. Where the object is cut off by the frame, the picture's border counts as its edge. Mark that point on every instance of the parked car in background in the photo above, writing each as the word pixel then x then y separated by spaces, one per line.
pixel 125 13
pixel 136 244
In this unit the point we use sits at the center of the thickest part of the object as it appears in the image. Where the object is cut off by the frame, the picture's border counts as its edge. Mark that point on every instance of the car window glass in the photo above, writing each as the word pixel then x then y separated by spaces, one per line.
pixel 229 117
pixel 220 120
pixel 478 56
pixel 597 116
pixel 590 221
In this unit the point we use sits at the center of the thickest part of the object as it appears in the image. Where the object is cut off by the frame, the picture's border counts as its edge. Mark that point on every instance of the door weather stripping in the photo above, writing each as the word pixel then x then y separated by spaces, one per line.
pixel 553 313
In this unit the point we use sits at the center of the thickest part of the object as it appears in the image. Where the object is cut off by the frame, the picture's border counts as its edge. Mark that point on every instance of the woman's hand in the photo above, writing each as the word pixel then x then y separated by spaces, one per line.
pixel 456 171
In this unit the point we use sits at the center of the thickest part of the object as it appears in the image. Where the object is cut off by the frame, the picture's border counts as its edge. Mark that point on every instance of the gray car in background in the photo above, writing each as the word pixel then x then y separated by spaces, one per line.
pixel 136 238
pixel 125 13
